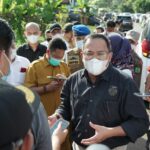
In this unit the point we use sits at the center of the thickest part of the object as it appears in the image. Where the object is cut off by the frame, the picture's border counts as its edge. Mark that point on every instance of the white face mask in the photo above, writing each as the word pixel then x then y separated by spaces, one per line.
pixel 79 44
pixel 13 54
pixel 33 38
pixel 95 66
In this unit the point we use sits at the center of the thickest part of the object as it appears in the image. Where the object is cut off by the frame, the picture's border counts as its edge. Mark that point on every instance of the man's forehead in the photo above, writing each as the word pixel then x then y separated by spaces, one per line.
pixel 57 50
pixel 95 40
pixel 94 44
pixel 32 28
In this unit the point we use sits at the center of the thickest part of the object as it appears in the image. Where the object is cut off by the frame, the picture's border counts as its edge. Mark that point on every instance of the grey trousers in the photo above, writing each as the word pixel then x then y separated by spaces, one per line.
pixel 77 147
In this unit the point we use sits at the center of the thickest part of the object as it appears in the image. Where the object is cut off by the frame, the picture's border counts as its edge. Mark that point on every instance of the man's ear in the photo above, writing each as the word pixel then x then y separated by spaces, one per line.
pixel 28 141
pixel 40 33
pixel 25 33
pixel 110 56
pixel 81 54
pixel 48 53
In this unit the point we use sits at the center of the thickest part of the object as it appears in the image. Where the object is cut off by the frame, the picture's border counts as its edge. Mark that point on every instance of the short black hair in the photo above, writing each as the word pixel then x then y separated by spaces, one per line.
pixel 111 24
pixel 99 36
pixel 68 27
pixel 6 36
pixel 57 43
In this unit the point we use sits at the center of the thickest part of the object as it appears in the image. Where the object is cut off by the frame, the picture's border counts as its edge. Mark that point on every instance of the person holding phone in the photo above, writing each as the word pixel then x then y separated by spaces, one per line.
pixel 49 65
pixel 44 75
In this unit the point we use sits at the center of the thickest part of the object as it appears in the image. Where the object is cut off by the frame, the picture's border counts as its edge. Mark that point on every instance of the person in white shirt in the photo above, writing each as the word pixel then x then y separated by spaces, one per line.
pixel 18 68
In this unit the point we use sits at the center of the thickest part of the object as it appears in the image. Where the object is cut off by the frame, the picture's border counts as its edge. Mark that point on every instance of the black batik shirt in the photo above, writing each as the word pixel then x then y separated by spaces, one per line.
pixel 109 102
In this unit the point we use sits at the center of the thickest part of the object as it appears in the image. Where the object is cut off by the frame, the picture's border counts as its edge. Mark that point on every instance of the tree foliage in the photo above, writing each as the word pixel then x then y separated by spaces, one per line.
pixel 142 6
pixel 44 12
pixel 20 12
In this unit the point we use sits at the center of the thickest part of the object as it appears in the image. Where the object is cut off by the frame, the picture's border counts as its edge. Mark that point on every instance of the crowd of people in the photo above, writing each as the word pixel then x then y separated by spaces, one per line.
pixel 85 77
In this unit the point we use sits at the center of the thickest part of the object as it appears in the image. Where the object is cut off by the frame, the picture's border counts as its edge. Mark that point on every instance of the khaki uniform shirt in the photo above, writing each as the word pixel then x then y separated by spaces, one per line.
pixel 36 76
pixel 74 60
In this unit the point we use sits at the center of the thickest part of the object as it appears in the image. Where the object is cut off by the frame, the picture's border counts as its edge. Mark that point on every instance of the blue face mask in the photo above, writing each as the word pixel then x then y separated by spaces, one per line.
pixel 4 77
pixel 54 62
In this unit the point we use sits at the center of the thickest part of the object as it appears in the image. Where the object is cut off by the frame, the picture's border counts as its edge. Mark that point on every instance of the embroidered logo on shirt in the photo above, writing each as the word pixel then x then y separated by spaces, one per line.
pixel 23 69
pixel 113 90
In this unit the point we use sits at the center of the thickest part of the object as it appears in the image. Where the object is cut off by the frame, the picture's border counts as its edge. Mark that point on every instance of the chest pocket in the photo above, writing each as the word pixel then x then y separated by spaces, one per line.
pixel 112 110
pixel 111 104
pixel 79 100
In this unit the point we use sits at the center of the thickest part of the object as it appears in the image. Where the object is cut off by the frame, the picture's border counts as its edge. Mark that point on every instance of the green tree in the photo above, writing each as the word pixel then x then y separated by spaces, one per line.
pixel 142 6
pixel 83 7
pixel 126 6
pixel 20 12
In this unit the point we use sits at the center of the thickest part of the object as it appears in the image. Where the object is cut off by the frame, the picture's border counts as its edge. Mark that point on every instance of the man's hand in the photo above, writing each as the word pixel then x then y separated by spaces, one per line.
pixel 147 99
pixel 52 86
pixel 52 119
pixel 58 137
pixel 101 133
pixel 60 79
pixel 56 83
pixel 61 76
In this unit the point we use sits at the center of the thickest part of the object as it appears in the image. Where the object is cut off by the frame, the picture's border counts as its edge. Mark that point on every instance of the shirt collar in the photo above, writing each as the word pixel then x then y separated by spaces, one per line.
pixel 45 61
pixel 17 59
pixel 27 46
pixel 104 76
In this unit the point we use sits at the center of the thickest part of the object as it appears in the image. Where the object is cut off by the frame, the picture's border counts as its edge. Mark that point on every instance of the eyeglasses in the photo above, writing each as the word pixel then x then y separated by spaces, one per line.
pixel 101 55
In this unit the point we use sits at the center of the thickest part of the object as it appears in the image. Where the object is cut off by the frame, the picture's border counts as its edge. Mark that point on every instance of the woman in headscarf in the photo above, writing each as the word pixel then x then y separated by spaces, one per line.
pixel 122 58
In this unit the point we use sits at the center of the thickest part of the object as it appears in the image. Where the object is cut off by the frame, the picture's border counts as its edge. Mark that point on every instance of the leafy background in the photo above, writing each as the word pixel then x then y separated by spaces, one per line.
pixel 44 12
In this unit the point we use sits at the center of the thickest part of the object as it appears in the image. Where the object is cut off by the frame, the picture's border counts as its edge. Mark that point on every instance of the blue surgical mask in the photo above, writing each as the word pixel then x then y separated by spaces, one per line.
pixel 54 62
pixel 4 77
